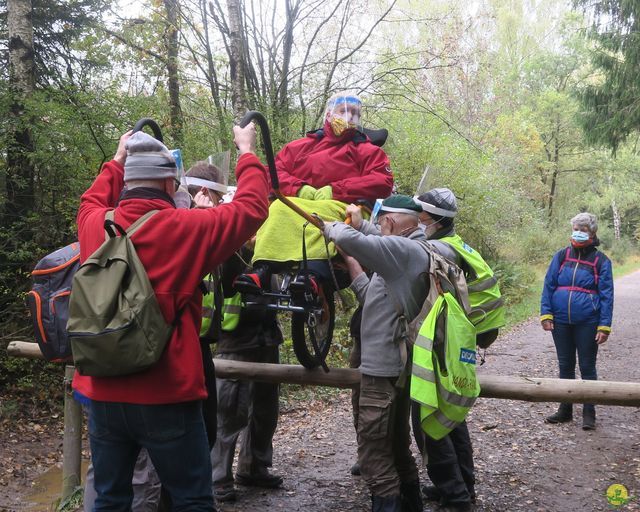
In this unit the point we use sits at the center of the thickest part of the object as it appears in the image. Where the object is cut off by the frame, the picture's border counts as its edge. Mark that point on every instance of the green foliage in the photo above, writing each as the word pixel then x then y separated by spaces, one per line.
pixel 34 384
pixel 619 251
pixel 611 98
pixel 73 502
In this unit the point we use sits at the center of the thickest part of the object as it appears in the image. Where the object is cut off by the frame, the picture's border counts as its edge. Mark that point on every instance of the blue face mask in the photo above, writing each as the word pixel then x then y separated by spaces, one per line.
pixel 580 236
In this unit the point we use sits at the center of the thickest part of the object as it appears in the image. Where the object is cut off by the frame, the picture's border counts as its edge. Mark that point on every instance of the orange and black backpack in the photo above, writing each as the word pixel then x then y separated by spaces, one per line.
pixel 48 301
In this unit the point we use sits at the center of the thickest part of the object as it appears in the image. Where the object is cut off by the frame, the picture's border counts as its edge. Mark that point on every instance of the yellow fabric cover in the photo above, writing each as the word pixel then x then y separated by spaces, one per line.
pixel 280 237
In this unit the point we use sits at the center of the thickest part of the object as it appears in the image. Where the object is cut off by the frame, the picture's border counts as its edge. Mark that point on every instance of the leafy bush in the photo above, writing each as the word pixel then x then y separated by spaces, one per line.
pixel 620 250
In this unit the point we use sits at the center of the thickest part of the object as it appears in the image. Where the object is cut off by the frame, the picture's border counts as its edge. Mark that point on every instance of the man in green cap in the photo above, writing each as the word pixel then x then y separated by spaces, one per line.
pixel 393 296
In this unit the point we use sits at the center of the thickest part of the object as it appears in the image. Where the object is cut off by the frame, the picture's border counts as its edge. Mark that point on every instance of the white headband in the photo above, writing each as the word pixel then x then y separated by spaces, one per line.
pixel 398 210
pixel 198 182
pixel 430 208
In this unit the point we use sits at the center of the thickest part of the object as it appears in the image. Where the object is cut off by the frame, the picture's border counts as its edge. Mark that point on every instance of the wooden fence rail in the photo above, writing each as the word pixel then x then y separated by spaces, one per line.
pixel 529 389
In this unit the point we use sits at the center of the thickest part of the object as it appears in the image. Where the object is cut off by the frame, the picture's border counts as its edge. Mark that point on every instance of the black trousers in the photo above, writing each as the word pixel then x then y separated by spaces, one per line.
pixel 449 460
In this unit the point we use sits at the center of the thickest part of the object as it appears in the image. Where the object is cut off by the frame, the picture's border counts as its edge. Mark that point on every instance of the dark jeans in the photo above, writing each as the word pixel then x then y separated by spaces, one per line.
pixel 571 338
pixel 175 438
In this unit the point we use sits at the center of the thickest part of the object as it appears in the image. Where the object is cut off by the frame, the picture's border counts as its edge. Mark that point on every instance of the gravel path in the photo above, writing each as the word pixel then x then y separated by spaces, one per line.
pixel 523 464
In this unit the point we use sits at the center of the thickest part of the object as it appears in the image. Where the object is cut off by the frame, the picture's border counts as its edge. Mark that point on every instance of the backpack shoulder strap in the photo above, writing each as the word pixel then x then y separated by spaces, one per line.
pixel 446 276
pixel 139 223
pixel 109 217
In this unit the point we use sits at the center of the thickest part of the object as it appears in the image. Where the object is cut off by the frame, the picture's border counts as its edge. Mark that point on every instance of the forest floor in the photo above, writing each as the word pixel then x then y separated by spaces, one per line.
pixel 522 463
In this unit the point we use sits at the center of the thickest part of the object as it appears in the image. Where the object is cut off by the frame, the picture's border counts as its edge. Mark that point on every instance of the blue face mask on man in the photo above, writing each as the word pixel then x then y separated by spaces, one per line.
pixel 580 236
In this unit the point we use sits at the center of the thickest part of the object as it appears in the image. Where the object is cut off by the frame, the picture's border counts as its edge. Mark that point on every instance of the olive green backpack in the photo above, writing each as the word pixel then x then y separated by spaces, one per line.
pixel 115 323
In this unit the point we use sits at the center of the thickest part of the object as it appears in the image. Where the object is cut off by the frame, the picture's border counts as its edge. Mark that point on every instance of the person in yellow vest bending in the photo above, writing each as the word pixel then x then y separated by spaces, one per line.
pixel 450 459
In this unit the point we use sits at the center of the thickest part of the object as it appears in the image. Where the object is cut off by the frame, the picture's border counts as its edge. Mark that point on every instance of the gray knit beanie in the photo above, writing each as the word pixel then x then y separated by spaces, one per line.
pixel 148 159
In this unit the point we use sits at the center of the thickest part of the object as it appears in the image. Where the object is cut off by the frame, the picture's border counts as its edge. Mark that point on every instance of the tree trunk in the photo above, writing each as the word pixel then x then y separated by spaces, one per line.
pixel 236 64
pixel 616 219
pixel 19 181
pixel 171 40
pixel 282 106
pixel 556 168
pixel 614 210
pixel 212 76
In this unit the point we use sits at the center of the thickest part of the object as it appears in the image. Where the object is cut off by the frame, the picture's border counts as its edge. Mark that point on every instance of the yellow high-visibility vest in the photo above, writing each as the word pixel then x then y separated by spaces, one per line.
pixel 445 390
pixel 487 304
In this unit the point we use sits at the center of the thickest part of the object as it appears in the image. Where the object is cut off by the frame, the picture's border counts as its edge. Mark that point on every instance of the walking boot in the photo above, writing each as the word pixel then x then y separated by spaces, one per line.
pixel 411 497
pixel 260 478
pixel 589 417
pixel 386 504
pixel 564 414
pixel 431 493
pixel 254 283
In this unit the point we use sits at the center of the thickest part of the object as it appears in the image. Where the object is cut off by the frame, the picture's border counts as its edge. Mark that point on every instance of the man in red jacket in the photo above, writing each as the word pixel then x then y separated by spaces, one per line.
pixel 160 409
pixel 336 162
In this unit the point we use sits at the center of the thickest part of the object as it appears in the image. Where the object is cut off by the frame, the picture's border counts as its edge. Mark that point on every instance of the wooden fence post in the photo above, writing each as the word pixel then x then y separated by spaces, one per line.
pixel 72 441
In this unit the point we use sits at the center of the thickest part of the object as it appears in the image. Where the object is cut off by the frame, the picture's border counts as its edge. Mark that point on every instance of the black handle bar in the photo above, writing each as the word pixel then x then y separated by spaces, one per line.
pixel 146 121
pixel 254 115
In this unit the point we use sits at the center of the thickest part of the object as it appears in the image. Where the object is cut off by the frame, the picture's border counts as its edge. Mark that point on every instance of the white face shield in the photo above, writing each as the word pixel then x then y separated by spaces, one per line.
pixel 215 191
pixel 343 113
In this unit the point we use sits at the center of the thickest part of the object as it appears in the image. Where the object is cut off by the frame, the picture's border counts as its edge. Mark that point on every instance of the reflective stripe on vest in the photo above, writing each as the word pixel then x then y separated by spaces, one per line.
pixel 487 304
pixel 208 309
pixel 231 308
pixel 231 312
pixel 445 398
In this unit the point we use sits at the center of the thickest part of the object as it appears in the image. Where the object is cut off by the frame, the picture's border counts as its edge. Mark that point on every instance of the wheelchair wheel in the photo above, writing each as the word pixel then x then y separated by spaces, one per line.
pixel 312 331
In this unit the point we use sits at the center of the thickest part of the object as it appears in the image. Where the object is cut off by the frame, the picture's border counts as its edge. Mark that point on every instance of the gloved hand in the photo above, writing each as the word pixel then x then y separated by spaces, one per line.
pixel 324 193
pixel 307 192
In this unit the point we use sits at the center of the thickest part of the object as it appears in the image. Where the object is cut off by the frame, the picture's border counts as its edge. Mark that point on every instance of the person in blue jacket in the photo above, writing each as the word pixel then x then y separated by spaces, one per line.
pixel 577 307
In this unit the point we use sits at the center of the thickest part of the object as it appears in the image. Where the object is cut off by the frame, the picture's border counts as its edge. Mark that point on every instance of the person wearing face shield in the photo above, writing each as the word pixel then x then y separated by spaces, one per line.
pixel 335 164
pixel 338 161
pixel 391 298
pixel 450 459
pixel 239 334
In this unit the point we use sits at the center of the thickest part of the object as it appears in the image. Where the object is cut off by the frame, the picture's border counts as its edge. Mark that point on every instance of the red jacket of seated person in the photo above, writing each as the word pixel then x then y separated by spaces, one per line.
pixel 353 166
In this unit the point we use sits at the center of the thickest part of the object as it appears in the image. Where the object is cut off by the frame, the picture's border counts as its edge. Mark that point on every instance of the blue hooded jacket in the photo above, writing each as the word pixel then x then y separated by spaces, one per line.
pixel 578 288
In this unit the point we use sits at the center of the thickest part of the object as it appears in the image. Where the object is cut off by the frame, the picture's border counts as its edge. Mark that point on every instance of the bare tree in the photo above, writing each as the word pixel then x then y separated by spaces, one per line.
pixel 236 60
pixel 171 41
pixel 19 182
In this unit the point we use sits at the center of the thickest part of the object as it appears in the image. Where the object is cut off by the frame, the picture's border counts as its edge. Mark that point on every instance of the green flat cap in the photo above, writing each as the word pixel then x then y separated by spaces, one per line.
pixel 399 203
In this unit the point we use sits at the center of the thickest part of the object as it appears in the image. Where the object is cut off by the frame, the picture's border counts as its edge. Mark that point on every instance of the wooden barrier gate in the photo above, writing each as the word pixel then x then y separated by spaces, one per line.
pixel 529 389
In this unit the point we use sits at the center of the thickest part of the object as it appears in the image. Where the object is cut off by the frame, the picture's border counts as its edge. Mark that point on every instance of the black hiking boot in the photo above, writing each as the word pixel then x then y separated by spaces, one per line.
pixel 431 493
pixel 411 497
pixel 261 478
pixel 386 504
pixel 588 417
pixel 564 414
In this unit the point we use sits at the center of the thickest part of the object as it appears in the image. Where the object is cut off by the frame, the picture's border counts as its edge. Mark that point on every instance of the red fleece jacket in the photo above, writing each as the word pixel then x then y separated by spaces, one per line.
pixel 354 171
pixel 177 248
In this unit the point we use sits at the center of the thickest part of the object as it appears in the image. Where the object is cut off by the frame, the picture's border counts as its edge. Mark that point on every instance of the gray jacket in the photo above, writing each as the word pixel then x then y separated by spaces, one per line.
pixel 399 264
